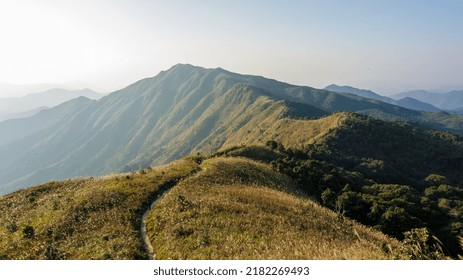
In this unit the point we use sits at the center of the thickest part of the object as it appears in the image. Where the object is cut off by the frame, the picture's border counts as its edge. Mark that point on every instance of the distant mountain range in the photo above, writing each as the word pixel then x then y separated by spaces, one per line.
pixel 415 104
pixel 360 92
pixel 19 115
pixel 420 100
pixel 452 100
pixel 14 107
pixel 402 101
pixel 184 110
pixel 8 90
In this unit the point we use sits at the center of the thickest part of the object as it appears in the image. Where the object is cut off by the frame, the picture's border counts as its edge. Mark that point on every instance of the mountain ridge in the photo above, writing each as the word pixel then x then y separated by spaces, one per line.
pixel 360 92
pixel 185 109
pixel 402 101
pixel 415 104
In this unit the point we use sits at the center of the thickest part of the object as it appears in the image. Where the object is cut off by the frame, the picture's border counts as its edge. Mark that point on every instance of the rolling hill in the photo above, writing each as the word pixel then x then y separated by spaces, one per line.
pixel 236 208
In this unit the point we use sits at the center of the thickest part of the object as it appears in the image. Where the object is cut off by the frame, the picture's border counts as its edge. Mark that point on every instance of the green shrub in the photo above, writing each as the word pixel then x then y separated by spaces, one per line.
pixel 419 244
pixel 28 232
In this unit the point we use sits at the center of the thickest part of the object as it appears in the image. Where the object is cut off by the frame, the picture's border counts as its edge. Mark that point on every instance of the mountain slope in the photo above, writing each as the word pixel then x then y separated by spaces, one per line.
pixel 150 122
pixel 333 102
pixel 156 120
pixel 351 140
pixel 291 132
pixel 18 129
pixel 415 104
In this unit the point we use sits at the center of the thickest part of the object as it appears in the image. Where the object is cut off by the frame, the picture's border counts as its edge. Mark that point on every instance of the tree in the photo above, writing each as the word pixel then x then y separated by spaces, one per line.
pixel 397 220
pixel 435 179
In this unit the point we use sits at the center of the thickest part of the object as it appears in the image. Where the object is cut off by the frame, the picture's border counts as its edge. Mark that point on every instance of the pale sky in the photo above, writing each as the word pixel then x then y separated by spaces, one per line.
pixel 386 46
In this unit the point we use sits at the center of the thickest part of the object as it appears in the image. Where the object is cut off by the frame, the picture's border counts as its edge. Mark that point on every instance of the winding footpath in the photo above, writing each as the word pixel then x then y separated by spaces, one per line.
pixel 162 191
pixel 148 246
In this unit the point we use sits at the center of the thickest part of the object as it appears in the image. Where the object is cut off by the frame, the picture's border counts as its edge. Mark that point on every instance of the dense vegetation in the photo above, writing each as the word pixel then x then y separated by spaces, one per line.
pixel 392 176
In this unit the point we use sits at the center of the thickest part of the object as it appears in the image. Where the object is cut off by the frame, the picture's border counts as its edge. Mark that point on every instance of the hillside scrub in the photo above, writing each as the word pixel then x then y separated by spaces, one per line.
pixel 392 176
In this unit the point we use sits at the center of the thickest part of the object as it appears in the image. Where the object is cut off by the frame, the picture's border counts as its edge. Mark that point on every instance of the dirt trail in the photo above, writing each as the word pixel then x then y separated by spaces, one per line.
pixel 163 189
pixel 148 245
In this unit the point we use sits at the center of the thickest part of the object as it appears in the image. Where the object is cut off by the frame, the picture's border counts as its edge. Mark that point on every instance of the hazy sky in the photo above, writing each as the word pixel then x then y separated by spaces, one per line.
pixel 386 46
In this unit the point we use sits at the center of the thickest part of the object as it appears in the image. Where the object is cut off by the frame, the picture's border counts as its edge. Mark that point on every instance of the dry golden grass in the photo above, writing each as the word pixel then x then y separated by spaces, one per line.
pixel 83 219
pixel 240 209
pixel 460 239
pixel 287 131
pixel 234 208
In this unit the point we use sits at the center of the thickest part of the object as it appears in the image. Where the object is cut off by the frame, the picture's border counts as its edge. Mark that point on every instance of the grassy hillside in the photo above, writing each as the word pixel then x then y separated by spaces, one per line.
pixel 388 152
pixel 240 209
pixel 392 176
pixel 288 131
pixel 84 219
pixel 232 208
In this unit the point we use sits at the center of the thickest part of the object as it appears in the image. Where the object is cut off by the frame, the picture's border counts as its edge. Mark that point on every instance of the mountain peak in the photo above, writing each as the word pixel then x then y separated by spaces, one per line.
pixel 185 66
